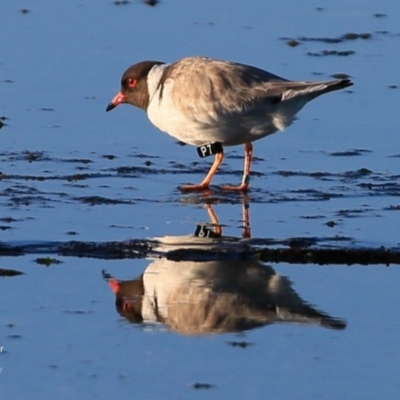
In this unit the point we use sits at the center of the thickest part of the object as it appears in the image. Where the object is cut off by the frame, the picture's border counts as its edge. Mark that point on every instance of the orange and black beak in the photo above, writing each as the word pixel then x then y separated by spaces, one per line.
pixel 116 101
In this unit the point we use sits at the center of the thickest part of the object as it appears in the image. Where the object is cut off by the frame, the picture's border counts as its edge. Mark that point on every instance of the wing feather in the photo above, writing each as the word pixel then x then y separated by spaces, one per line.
pixel 222 88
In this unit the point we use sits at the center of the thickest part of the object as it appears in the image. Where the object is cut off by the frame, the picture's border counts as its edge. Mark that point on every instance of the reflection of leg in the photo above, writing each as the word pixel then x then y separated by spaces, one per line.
pixel 246 234
pixel 214 220
pixel 248 155
pixel 206 181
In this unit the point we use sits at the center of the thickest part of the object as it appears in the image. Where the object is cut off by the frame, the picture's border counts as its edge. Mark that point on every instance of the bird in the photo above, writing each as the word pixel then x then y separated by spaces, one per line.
pixel 212 104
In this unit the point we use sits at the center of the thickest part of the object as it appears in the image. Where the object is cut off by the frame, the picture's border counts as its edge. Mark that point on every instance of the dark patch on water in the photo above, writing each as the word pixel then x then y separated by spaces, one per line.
pixel 27 201
pixel 358 173
pixel 333 40
pixel 384 189
pixel 47 261
pixel 109 156
pixel 341 76
pixel 243 344
pixel 292 42
pixel 331 224
pixel 311 195
pixel 38 156
pixel 136 171
pixel 313 216
pixel 78 160
pixel 341 53
pixel 393 208
pixel 233 156
pixel 145 156
pixel 78 312
pixel 333 257
pixel 199 385
pixel 353 213
pixel 354 36
pixel 97 200
pixel 297 250
pixel 350 153
pixel 8 220
pixel 151 3
pixel 9 272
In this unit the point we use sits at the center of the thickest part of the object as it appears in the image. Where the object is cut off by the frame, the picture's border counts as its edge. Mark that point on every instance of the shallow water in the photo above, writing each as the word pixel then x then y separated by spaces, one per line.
pixel 71 172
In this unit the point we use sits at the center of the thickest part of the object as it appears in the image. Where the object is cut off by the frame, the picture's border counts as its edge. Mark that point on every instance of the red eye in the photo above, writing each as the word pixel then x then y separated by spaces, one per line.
pixel 131 82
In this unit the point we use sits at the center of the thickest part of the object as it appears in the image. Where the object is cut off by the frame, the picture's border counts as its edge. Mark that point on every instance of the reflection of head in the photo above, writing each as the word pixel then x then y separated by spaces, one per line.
pixel 128 298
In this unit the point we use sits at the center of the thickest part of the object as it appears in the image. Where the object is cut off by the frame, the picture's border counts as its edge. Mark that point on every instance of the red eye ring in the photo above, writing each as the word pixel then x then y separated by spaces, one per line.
pixel 131 82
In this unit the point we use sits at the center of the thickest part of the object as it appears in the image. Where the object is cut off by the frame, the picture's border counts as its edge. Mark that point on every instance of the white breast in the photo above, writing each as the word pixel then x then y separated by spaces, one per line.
pixel 160 109
pixel 164 115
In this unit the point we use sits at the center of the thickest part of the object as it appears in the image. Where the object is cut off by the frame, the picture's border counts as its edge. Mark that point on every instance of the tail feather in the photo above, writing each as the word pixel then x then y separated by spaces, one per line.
pixel 337 85
pixel 311 90
pixel 295 95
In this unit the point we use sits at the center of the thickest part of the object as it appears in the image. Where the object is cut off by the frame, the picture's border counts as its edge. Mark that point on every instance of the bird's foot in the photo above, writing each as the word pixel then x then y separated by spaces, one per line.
pixel 194 188
pixel 244 187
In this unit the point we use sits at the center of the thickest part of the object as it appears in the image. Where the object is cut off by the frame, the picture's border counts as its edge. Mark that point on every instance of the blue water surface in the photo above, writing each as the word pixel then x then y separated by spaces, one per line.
pixel 60 65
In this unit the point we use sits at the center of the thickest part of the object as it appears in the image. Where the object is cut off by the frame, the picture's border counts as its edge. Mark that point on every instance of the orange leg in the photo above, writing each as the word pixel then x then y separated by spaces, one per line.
pixel 206 181
pixel 214 220
pixel 246 234
pixel 248 155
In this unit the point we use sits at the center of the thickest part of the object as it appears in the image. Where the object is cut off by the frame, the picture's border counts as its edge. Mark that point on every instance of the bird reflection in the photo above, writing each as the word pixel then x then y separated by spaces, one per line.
pixel 212 296
pixel 195 298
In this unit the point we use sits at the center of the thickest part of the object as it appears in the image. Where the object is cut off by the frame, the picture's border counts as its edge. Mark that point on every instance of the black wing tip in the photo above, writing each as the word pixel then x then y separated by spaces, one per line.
pixel 333 323
pixel 344 83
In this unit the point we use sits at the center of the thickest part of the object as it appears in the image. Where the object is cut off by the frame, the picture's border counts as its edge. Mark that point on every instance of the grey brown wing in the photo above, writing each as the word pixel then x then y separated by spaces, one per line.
pixel 203 86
